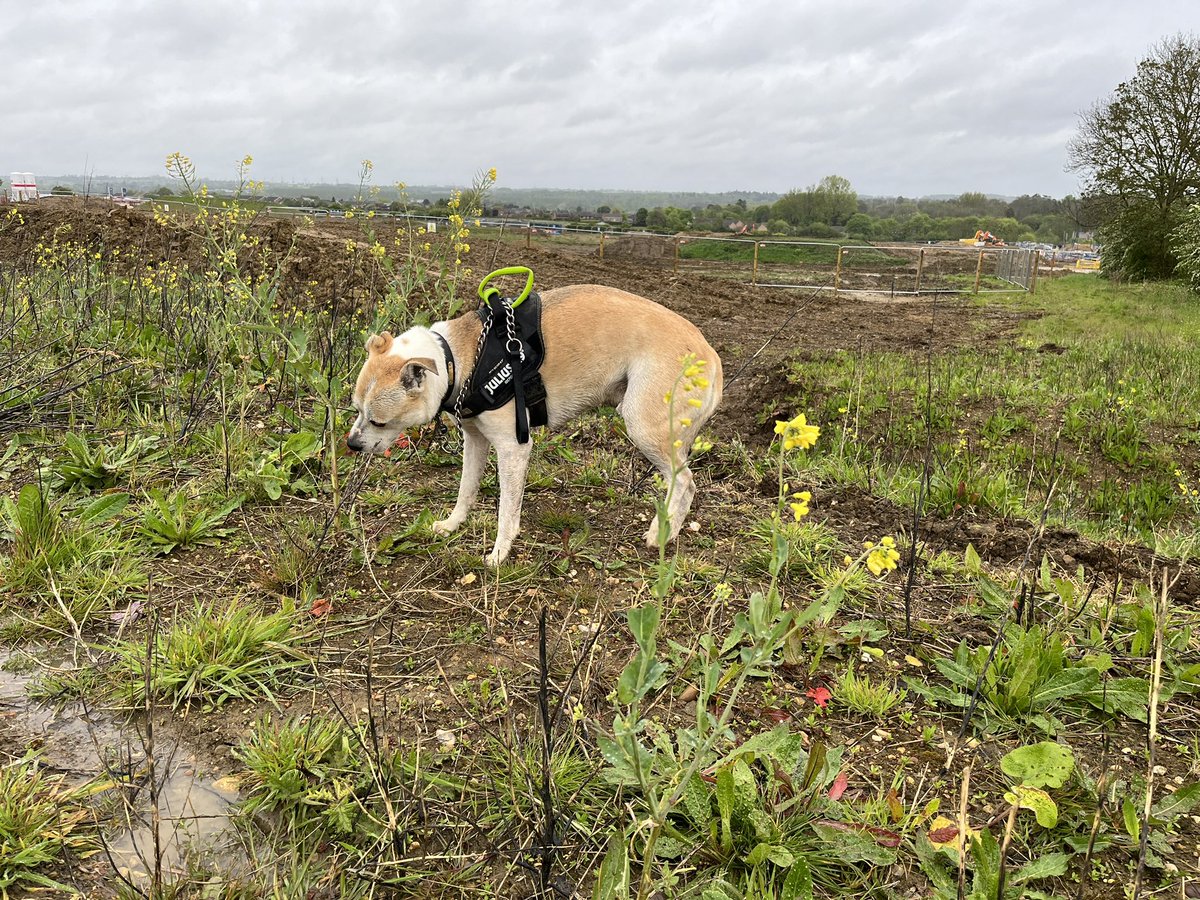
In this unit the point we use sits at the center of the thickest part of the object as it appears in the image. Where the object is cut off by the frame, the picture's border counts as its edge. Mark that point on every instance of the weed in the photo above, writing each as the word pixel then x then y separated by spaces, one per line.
pixel 77 561
pixel 212 656
pixel 875 699
pixel 179 521
pixel 41 821
pixel 96 467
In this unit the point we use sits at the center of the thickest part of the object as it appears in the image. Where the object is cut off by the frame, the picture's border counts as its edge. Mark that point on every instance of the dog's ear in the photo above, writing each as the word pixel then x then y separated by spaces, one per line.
pixel 414 371
pixel 379 343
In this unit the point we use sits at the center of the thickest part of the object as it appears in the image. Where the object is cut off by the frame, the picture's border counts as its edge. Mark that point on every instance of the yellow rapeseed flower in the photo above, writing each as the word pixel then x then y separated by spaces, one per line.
pixel 797 433
pixel 882 559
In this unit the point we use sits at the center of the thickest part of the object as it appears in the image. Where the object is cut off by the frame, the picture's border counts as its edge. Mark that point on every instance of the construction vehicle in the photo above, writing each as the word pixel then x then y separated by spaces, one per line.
pixel 982 239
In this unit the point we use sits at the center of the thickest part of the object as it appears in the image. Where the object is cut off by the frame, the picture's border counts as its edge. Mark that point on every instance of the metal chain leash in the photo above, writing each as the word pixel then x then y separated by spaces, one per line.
pixel 510 322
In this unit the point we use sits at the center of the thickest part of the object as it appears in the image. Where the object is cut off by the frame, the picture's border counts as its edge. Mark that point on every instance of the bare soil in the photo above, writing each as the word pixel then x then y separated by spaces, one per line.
pixel 405 617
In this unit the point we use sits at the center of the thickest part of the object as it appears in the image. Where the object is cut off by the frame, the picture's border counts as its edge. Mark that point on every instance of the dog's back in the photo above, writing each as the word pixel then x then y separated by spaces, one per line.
pixel 605 346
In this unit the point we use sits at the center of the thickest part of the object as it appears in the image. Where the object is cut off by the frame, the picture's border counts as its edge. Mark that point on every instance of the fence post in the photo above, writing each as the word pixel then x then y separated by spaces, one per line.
pixel 754 271
pixel 1037 259
pixel 675 266
pixel 528 232
pixel 602 245
pixel 920 270
pixel 978 271
pixel 837 272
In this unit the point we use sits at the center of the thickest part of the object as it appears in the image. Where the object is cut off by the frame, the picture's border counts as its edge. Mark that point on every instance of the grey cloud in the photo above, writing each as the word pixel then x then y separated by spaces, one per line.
pixel 900 97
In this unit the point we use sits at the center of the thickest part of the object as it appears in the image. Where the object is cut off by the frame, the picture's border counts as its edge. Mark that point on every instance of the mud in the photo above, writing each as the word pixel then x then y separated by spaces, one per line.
pixel 87 746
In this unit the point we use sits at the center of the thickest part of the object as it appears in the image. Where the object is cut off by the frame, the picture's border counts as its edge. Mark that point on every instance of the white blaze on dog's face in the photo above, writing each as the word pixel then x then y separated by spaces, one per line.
pixel 390 395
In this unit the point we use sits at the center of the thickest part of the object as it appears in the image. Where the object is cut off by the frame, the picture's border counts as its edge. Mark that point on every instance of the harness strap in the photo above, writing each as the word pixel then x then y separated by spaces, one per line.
pixel 514 359
pixel 446 405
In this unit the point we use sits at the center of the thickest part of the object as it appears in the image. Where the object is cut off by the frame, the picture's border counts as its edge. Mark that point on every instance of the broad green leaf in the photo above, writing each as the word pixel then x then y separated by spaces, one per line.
pixel 725 802
pixel 612 881
pixel 1178 803
pixel 1133 824
pixel 697 800
pixel 1045 764
pixel 986 853
pixel 853 846
pixel 798 885
pixel 1051 865
pixel 758 855
pixel 764 743
pixel 1068 684
pixel 643 623
pixel 1023 670
pixel 1035 799
pixel 104 507
pixel 1127 696
pixel 780 855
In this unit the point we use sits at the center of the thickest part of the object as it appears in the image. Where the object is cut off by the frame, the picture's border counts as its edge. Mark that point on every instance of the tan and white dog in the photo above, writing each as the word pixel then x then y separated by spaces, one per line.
pixel 603 347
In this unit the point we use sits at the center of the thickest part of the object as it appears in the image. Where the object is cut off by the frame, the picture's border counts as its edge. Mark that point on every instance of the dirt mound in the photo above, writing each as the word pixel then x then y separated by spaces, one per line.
pixel 640 246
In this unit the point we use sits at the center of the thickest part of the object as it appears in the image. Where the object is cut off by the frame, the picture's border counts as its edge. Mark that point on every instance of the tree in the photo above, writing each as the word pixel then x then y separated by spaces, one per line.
pixel 639 217
pixel 1139 150
pixel 860 225
pixel 837 200
pixel 1185 243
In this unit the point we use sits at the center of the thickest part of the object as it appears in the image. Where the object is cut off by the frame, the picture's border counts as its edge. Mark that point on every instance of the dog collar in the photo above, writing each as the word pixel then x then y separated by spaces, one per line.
pixel 446 406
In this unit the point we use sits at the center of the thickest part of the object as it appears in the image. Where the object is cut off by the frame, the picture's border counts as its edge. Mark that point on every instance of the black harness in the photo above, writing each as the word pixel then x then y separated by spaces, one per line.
pixel 510 343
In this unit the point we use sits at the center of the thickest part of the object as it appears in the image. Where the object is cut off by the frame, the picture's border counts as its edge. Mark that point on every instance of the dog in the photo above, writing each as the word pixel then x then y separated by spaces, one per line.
pixel 603 347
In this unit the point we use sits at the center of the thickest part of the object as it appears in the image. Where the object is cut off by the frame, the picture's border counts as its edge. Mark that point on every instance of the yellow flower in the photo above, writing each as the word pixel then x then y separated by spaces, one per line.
pixel 694 402
pixel 882 559
pixel 685 422
pixel 492 173
pixel 797 433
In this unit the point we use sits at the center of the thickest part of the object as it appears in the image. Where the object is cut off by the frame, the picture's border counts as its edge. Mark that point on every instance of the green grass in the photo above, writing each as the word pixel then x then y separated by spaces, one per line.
pixel 41 820
pixel 214 655
pixel 1096 398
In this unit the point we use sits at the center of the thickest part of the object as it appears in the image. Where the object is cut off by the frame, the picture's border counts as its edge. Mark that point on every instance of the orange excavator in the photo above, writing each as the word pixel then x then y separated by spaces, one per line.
pixel 982 239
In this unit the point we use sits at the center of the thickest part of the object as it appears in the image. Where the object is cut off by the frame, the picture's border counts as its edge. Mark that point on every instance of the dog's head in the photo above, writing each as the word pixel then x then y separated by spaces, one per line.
pixel 391 395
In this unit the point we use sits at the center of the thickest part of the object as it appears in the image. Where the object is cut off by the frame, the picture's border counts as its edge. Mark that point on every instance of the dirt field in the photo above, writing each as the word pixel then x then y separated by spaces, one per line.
pixel 406 633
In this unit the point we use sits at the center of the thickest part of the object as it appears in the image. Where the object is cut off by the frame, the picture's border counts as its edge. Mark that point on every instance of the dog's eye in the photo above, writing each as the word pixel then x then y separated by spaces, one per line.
pixel 375 424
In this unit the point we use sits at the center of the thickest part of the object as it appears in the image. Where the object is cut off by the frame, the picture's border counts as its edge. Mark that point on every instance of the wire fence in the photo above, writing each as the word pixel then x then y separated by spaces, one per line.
pixel 896 269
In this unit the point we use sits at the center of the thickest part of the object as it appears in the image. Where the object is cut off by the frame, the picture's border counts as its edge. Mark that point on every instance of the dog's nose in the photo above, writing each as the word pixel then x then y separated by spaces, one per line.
pixel 354 442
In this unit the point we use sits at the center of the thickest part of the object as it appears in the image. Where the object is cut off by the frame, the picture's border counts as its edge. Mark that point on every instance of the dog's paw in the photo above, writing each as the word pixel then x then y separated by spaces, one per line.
pixel 493 560
pixel 444 526
pixel 651 538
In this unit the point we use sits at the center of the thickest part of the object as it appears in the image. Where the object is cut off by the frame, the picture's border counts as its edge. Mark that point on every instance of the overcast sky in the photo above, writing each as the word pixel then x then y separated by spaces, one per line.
pixel 900 97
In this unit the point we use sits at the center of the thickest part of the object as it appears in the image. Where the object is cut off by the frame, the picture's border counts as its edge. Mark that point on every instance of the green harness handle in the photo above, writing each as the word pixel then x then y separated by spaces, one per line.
pixel 487 293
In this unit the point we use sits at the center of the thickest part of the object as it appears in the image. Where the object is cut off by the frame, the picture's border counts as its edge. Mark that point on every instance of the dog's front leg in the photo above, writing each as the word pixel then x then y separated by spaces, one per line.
pixel 513 464
pixel 475 452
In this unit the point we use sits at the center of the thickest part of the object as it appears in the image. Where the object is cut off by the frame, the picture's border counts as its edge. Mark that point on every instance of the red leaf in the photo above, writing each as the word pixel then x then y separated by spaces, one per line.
pixel 819 696
pixel 320 606
pixel 839 786
pixel 943 835
pixel 883 837
pixel 778 716
pixel 402 441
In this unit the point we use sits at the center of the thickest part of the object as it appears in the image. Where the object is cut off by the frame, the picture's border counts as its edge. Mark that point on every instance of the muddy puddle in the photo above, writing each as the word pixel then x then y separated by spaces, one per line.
pixel 91 747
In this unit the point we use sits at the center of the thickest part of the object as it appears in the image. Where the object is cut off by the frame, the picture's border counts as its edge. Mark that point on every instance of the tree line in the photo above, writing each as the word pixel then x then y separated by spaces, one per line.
pixel 832 209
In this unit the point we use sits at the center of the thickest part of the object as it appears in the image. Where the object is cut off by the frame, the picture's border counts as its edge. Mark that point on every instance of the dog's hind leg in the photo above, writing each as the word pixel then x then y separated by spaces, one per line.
pixel 649 427
pixel 475 453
